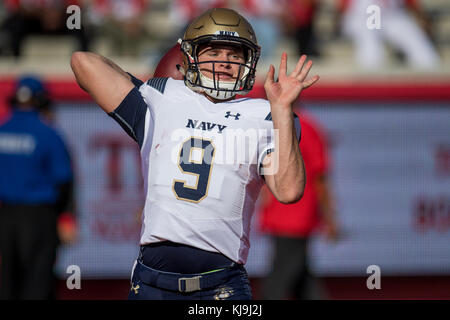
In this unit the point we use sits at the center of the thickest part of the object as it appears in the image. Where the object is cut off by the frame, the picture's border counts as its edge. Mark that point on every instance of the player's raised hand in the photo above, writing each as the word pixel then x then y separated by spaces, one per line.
pixel 287 88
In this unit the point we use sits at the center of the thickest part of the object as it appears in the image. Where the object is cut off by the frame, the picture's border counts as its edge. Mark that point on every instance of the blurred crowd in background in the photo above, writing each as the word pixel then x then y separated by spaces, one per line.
pixel 413 31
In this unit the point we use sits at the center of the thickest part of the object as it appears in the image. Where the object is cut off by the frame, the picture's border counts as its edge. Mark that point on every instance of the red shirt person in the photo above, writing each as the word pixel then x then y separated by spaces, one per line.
pixel 301 218
pixel 291 225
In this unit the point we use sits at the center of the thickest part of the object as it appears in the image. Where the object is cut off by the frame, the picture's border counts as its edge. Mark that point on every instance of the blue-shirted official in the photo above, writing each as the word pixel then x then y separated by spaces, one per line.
pixel 36 184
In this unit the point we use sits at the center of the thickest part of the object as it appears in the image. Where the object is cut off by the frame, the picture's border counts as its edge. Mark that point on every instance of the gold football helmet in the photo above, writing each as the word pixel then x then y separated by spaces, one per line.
pixel 224 26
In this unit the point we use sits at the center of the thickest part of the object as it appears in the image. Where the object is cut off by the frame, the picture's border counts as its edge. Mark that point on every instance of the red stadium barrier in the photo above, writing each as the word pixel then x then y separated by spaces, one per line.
pixel 68 90
pixel 349 91
pixel 63 89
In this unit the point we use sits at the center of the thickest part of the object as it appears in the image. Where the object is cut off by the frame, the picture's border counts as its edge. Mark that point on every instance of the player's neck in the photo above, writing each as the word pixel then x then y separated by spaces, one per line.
pixel 217 100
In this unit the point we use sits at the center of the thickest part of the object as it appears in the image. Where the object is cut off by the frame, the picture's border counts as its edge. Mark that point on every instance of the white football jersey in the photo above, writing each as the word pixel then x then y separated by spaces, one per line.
pixel 201 167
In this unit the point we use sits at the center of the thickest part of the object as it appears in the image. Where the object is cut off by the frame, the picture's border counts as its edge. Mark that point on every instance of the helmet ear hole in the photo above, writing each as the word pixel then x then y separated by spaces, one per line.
pixel 190 75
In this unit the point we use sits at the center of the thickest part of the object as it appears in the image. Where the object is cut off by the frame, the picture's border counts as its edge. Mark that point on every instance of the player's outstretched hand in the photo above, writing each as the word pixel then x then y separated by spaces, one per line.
pixel 285 91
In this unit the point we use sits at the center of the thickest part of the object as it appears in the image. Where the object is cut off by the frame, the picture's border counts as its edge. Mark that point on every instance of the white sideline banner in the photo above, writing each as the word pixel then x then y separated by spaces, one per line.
pixel 391 180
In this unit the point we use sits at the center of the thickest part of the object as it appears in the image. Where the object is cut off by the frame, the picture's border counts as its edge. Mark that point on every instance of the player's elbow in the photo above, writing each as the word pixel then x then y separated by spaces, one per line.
pixel 286 192
pixel 290 196
pixel 84 62
pixel 79 63
pixel 77 60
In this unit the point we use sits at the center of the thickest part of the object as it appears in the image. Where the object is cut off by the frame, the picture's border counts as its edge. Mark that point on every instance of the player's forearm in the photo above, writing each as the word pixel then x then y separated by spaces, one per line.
pixel 289 179
pixel 106 82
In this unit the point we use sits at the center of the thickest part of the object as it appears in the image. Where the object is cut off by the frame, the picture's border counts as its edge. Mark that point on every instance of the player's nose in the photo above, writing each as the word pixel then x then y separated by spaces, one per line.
pixel 224 59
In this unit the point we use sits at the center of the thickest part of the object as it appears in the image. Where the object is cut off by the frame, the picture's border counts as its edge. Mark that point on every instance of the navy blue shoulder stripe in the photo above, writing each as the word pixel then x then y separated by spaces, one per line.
pixel 158 84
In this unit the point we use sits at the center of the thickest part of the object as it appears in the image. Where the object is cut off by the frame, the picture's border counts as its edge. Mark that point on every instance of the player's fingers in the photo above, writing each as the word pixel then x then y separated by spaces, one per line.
pixel 310 82
pixel 299 66
pixel 305 71
pixel 270 75
pixel 283 65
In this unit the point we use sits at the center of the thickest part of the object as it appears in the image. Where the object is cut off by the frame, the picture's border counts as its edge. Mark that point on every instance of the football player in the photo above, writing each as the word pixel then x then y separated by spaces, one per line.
pixel 201 189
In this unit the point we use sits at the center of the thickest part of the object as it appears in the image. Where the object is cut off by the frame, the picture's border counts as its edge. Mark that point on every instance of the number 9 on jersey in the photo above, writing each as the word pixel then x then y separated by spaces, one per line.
pixel 196 158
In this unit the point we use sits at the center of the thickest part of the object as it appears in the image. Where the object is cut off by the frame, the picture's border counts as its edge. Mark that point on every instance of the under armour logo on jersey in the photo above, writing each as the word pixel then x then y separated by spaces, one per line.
pixel 236 116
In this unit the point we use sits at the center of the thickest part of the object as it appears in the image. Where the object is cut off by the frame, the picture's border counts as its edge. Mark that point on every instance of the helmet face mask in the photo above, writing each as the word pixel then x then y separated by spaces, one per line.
pixel 219 27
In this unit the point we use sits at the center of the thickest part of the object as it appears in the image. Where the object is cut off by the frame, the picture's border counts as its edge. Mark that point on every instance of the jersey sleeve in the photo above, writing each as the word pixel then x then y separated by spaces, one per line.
pixel 140 104
pixel 137 83
pixel 298 127
pixel 130 115
pixel 267 142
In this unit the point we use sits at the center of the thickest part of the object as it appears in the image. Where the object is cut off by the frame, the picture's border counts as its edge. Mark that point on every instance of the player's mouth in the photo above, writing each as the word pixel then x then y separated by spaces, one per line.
pixel 220 75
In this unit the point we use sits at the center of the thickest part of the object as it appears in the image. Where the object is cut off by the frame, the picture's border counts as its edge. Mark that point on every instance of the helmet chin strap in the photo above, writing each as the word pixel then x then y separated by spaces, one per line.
pixel 205 81
pixel 217 94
